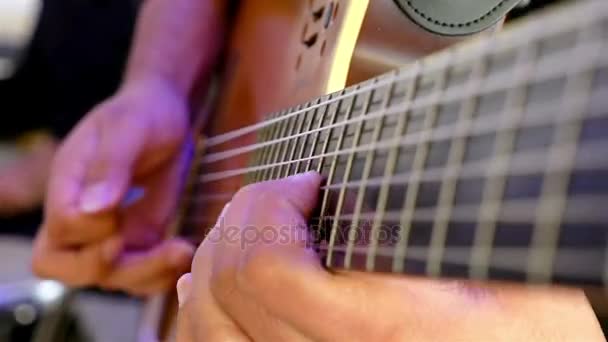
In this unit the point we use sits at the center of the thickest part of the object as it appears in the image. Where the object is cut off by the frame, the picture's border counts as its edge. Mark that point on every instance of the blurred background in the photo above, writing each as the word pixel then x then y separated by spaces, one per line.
pixel 58 58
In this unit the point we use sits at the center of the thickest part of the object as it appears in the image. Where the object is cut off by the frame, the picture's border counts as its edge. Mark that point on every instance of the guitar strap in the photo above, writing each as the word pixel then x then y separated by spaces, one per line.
pixel 456 17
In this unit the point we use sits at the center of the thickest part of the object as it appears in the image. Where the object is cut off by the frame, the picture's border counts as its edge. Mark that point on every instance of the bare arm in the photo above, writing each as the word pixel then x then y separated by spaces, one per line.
pixel 136 137
pixel 175 41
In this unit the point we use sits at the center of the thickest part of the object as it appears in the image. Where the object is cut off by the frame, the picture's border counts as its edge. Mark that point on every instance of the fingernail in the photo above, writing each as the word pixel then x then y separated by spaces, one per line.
pixel 95 198
pixel 183 289
pixel 111 249
pixel 306 177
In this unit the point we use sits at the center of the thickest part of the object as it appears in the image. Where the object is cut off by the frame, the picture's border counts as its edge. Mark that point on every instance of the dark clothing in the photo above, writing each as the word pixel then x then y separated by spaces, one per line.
pixel 75 60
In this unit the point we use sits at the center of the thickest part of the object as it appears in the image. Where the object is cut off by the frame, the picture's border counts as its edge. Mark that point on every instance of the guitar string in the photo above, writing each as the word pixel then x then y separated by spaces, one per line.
pixel 548 69
pixel 534 30
pixel 523 163
pixel 544 114
pixel 502 259
pixel 520 210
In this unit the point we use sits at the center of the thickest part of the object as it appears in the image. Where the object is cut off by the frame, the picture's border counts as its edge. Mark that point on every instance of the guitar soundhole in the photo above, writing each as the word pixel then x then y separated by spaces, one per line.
pixel 319 18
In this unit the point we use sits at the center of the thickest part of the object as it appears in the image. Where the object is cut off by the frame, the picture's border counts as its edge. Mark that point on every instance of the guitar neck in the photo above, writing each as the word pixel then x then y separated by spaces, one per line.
pixel 486 161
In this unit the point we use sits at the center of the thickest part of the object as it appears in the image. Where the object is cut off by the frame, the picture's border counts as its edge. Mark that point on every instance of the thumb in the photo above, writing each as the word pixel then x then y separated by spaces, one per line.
pixel 119 144
pixel 300 191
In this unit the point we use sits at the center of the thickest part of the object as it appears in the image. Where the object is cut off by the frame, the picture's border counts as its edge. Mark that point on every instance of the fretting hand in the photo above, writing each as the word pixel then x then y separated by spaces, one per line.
pixel 245 288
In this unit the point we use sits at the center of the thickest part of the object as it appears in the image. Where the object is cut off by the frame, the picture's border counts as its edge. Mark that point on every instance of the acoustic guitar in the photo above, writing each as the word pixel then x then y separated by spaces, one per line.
pixel 484 161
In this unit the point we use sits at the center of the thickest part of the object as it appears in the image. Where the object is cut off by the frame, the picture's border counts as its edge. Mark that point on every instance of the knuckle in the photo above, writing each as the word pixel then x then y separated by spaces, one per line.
pixel 260 272
pixel 62 225
pixel 222 285
pixel 39 265
pixel 246 193
pixel 255 193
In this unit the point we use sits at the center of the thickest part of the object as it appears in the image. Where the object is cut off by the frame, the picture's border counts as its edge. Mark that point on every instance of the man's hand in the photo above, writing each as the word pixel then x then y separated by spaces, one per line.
pixel 272 288
pixel 135 138
pixel 23 180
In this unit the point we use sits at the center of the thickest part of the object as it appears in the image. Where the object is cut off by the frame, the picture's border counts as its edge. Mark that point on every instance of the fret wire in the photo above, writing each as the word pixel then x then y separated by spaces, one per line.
pixel 285 146
pixel 418 165
pixel 369 159
pixel 276 149
pixel 321 115
pixel 273 131
pixel 453 168
pixel 496 178
pixel 554 190
pixel 332 171
pixel 292 151
pixel 592 12
pixel 332 120
pixel 500 81
pixel 259 157
pixel 305 140
pixel 346 176
pixel 389 172
pixel 482 126
pixel 256 160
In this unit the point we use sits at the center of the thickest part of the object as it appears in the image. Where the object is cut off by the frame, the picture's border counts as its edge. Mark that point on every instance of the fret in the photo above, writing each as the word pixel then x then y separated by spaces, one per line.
pixel 259 159
pixel 266 151
pixel 266 134
pixel 453 168
pixel 304 141
pixel 498 169
pixel 284 147
pixel 391 166
pixel 346 177
pixel 276 147
pixel 554 193
pixel 320 115
pixel 420 157
pixel 332 169
pixel 369 159
pixel 299 125
pixel 332 120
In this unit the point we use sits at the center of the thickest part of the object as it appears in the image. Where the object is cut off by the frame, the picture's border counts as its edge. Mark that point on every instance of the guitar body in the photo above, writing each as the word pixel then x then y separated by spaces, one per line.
pixel 281 57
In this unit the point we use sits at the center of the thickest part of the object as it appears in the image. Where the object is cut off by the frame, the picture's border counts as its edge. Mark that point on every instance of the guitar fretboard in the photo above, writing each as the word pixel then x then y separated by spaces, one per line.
pixel 486 161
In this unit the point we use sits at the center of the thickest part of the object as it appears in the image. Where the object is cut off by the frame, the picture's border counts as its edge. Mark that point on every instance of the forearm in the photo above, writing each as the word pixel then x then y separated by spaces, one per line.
pixel 176 42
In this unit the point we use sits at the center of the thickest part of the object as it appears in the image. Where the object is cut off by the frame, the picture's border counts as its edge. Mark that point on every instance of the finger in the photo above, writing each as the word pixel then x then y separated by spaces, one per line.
pixel 268 272
pixel 75 267
pixel 63 216
pixel 120 141
pixel 143 223
pixel 152 271
pixel 278 205
pixel 201 316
